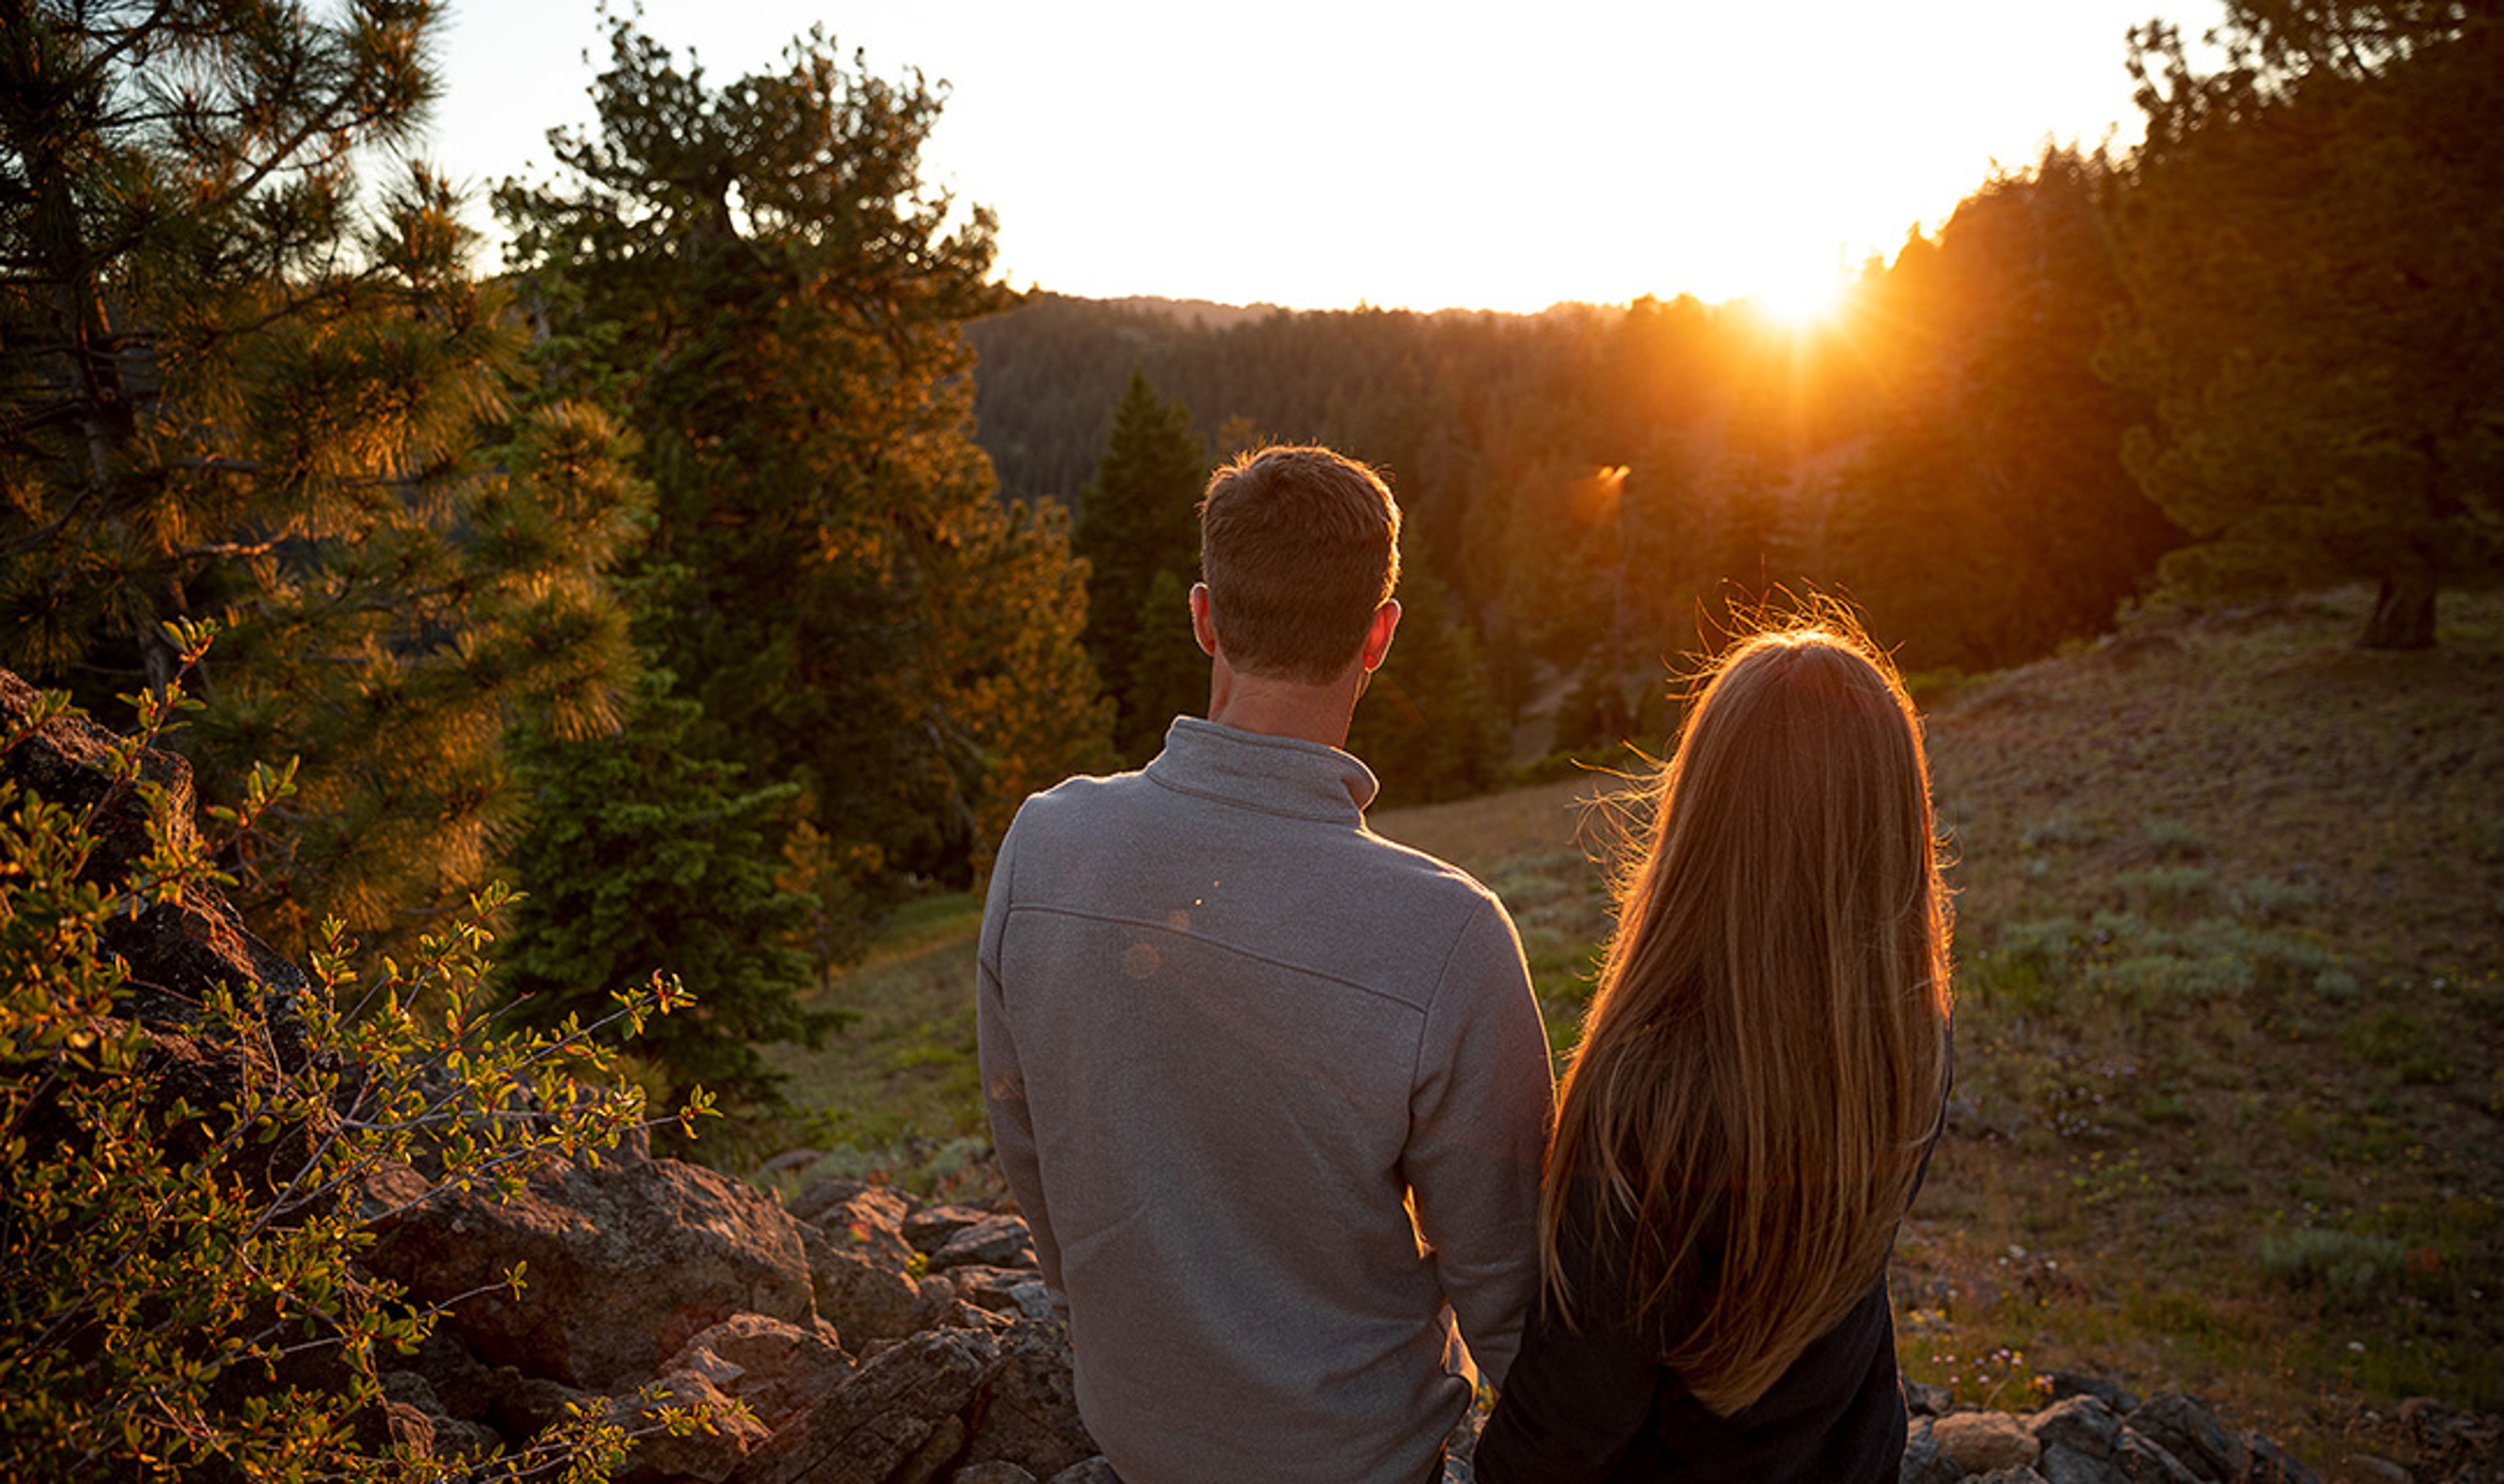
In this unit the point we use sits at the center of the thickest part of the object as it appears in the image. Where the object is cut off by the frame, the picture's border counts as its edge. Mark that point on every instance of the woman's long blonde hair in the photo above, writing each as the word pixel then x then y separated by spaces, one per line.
pixel 1763 1065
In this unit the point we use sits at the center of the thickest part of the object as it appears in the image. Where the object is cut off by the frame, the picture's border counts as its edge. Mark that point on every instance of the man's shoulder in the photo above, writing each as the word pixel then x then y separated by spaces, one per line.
pixel 1430 878
pixel 1076 798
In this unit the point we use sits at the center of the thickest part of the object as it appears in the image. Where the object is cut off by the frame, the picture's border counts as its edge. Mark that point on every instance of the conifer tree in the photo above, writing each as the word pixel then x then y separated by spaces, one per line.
pixel 760 270
pixel 228 390
pixel 1169 676
pixel 1989 515
pixel 1429 725
pixel 2312 238
pixel 1138 527
pixel 640 860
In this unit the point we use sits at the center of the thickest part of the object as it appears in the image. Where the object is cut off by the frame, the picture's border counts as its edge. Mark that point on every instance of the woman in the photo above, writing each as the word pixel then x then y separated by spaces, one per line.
pixel 1753 1105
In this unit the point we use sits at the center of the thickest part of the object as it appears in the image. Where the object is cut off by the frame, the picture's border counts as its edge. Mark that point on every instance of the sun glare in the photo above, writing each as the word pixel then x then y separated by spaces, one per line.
pixel 1801 299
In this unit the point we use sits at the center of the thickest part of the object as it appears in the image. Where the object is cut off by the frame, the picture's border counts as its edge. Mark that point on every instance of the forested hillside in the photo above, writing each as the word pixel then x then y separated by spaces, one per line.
pixel 1593 493
pixel 2255 354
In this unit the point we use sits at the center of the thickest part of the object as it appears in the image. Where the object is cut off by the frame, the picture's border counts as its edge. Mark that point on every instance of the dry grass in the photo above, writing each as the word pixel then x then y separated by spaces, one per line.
pixel 2230 981
pixel 2231 894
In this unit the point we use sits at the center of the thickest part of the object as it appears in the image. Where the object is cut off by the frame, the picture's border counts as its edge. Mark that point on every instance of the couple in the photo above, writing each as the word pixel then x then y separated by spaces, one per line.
pixel 1275 1096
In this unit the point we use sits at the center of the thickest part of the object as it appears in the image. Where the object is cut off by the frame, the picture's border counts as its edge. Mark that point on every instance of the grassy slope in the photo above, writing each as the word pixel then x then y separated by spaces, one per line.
pixel 2231 895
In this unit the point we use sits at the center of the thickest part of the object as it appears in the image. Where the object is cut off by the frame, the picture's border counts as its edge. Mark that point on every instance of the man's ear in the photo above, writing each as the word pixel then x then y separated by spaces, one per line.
pixel 1203 627
pixel 1377 637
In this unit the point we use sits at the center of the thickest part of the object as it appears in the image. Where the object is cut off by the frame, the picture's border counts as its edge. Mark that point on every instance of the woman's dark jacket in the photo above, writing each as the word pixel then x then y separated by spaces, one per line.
pixel 1598 1404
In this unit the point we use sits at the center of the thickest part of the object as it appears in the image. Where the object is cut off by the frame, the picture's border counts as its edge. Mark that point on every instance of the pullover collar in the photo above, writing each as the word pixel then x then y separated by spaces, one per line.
pixel 1275 775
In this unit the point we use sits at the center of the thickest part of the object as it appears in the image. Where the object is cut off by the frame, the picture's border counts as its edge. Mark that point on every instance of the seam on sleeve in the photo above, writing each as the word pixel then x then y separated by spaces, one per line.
pixel 1434 1000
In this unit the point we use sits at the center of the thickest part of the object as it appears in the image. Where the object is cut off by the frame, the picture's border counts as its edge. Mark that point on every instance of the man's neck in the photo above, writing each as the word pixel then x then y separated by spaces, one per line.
pixel 1275 707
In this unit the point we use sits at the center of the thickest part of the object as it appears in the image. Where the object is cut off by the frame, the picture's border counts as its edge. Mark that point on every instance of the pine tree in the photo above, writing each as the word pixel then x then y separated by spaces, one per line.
pixel 1139 529
pixel 1428 724
pixel 1989 516
pixel 641 858
pixel 2312 238
pixel 1170 674
pixel 227 389
pixel 760 271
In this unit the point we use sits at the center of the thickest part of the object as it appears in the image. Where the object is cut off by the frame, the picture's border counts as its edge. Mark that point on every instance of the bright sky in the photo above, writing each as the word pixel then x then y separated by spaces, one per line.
pixel 1319 154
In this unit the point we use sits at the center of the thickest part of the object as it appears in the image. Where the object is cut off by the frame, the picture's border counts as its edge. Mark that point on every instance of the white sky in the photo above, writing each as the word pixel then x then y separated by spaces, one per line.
pixel 1318 154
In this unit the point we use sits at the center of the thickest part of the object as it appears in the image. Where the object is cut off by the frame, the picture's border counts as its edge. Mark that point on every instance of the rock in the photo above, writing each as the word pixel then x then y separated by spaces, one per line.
pixel 1093 1471
pixel 706 1456
pixel 990 1473
pixel 521 1407
pixel 2021 1474
pixel 1981 1442
pixel 2061 1463
pixel 947 1441
pixel 1018 1292
pixel 2141 1459
pixel 863 1299
pixel 930 1228
pixel 2113 1394
pixel 625 1264
pixel 177 950
pixel 776 1368
pixel 2186 1429
pixel 2273 1465
pixel 2081 1424
pixel 865 1221
pixel 1030 1413
pixel 1461 1447
pixel 462 1386
pixel 1923 1400
pixel 996 1241
pixel 417 1417
pixel 1923 1462
pixel 868 1300
pixel 865 1429
pixel 817 1195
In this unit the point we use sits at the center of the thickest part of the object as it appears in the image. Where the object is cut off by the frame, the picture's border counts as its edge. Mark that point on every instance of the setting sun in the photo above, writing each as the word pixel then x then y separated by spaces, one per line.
pixel 1800 301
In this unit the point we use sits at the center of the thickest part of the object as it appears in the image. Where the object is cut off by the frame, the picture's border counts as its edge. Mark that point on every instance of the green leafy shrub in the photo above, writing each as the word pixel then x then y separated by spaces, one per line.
pixel 180 1213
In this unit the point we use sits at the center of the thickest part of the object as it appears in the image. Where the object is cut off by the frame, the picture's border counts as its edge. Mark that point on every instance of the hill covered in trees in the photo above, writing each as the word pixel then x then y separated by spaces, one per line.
pixel 2251 355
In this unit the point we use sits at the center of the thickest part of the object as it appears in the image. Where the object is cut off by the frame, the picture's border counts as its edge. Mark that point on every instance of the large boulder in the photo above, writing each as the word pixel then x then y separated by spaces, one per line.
pixel 623 1264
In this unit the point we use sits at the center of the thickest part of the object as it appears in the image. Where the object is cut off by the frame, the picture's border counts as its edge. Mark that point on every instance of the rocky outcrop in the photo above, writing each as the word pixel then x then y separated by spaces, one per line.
pixel 624 1264
pixel 653 1283
pixel 2082 1438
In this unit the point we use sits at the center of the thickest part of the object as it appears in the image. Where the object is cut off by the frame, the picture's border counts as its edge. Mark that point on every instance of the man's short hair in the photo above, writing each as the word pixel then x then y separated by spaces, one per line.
pixel 1299 546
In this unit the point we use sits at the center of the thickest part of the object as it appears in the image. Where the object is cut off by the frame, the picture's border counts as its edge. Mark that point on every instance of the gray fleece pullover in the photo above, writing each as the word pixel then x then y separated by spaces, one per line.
pixel 1231 1038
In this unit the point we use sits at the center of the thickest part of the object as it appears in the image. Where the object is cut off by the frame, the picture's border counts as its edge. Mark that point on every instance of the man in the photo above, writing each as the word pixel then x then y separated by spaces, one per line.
pixel 1232 1040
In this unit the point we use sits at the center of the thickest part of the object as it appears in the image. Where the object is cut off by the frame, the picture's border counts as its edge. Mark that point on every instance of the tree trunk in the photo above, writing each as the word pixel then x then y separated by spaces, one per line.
pixel 2403 616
